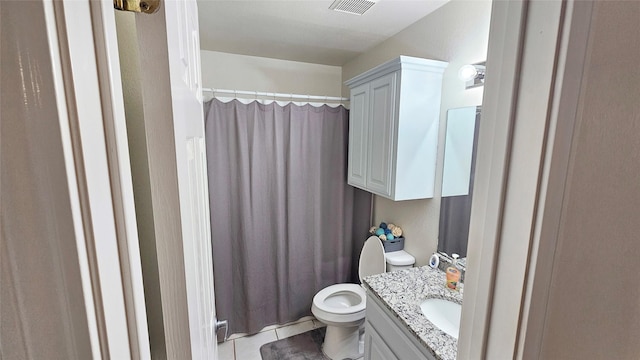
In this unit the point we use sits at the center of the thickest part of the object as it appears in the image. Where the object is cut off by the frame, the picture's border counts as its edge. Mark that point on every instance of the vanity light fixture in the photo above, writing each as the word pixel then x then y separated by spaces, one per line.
pixel 356 7
pixel 472 74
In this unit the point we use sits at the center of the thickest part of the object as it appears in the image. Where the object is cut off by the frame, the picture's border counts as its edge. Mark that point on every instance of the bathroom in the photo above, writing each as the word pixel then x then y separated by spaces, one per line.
pixel 462 30
pixel 535 225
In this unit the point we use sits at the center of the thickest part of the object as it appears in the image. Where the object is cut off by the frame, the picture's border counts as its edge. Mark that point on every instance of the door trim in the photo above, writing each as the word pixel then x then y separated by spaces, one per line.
pixel 97 149
pixel 506 35
pixel 108 64
pixel 514 226
pixel 563 117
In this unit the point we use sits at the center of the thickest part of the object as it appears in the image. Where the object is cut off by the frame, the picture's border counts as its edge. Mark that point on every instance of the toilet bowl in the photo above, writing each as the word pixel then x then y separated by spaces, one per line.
pixel 342 306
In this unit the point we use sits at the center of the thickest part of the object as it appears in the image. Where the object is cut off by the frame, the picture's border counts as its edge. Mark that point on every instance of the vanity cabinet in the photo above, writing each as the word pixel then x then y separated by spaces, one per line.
pixel 375 346
pixel 385 338
pixel 393 128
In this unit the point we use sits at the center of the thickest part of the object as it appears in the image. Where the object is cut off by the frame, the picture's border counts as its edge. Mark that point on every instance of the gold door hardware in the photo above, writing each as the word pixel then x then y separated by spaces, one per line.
pixel 144 6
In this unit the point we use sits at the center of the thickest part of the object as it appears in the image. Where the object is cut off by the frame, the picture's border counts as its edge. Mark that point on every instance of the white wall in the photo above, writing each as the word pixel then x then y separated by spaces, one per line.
pixel 457 33
pixel 594 307
pixel 252 73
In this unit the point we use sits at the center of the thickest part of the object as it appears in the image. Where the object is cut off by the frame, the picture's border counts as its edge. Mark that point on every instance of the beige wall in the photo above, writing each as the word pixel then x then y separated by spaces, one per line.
pixel 594 308
pixel 457 33
pixel 252 73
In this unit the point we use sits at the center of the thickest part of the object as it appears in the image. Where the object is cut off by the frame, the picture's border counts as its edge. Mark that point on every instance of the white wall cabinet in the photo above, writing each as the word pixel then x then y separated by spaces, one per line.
pixel 393 128
pixel 385 338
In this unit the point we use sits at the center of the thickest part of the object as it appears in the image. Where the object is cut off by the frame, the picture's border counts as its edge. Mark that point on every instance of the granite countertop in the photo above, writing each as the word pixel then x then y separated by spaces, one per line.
pixel 402 291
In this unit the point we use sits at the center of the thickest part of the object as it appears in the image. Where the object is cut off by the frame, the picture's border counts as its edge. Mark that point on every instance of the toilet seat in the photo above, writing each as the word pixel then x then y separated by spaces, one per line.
pixel 346 303
pixel 349 299
pixel 341 305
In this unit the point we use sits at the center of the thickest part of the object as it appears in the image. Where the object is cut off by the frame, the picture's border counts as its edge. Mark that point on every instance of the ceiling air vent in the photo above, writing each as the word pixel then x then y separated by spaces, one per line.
pixel 357 7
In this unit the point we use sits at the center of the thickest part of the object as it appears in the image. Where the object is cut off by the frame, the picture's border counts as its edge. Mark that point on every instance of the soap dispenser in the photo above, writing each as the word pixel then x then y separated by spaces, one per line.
pixel 453 273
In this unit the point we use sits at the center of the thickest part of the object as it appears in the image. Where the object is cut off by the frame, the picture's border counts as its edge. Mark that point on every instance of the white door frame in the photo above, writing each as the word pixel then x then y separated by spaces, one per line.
pixel 81 37
pixel 96 79
pixel 563 115
pixel 534 70
pixel 108 65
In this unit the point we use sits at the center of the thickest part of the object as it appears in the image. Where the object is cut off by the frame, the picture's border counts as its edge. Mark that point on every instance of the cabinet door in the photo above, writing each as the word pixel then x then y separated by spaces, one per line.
pixel 358 135
pixel 374 346
pixel 381 134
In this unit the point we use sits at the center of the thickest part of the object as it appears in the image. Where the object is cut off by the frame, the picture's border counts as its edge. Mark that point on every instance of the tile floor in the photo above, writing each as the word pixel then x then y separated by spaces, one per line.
pixel 242 347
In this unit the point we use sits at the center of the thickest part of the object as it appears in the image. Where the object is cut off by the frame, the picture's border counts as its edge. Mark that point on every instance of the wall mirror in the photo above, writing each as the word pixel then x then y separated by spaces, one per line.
pixel 461 142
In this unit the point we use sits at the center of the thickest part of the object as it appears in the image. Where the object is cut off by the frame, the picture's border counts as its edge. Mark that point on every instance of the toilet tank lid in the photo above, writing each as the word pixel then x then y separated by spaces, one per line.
pixel 399 258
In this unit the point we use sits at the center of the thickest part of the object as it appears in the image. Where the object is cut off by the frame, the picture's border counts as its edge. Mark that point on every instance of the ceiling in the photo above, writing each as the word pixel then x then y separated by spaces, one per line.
pixel 303 30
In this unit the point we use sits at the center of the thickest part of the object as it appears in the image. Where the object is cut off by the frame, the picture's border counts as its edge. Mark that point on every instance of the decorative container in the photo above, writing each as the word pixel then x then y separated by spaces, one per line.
pixel 393 245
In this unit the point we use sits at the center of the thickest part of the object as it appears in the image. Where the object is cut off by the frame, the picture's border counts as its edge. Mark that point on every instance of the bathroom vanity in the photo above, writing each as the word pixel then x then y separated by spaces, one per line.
pixel 395 326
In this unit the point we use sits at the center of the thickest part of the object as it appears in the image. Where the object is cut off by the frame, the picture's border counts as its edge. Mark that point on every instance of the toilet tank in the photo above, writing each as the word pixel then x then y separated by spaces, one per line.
pixel 397 260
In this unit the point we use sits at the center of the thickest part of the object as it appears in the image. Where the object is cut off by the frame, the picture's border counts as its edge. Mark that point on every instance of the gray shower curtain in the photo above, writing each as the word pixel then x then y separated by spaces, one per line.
pixel 284 222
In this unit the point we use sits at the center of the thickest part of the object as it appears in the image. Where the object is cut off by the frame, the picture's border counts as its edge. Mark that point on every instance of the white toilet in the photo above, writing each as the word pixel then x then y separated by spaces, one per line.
pixel 342 306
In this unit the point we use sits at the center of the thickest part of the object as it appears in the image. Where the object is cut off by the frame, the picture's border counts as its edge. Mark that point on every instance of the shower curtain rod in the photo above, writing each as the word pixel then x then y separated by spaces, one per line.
pixel 275 95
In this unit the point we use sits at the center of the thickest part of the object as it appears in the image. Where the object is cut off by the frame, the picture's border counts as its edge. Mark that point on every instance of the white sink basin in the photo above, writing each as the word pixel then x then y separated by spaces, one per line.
pixel 444 314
